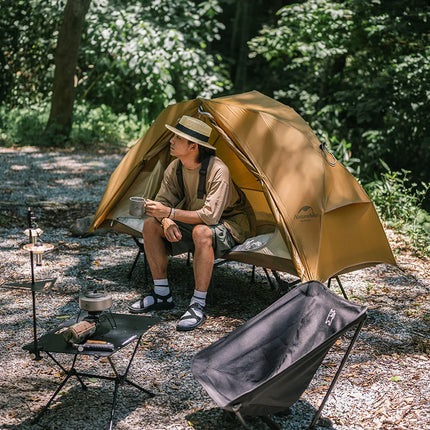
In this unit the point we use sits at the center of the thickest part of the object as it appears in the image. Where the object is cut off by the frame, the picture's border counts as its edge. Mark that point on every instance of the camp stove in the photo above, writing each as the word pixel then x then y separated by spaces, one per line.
pixel 95 303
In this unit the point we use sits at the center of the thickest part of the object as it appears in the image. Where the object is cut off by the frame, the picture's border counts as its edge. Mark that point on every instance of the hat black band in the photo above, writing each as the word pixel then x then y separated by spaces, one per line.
pixel 192 133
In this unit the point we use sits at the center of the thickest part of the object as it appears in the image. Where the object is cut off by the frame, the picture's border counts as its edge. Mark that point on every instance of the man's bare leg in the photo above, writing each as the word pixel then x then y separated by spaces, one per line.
pixel 156 255
pixel 202 265
pixel 155 248
pixel 203 257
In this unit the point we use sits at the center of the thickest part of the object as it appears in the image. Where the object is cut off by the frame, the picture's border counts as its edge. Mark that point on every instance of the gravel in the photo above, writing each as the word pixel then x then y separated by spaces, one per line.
pixel 383 386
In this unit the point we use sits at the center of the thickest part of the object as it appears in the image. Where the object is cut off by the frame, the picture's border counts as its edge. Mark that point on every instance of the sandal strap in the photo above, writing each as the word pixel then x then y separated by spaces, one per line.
pixel 158 297
pixel 192 312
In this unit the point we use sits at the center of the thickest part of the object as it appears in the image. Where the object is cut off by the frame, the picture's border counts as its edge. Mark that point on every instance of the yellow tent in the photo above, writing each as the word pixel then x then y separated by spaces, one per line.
pixel 314 220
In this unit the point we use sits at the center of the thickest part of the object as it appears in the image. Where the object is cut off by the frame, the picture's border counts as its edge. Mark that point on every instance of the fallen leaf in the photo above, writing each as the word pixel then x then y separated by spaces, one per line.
pixel 396 378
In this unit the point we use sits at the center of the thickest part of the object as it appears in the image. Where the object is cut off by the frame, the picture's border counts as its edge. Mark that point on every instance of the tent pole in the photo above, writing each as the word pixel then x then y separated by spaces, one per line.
pixel 336 376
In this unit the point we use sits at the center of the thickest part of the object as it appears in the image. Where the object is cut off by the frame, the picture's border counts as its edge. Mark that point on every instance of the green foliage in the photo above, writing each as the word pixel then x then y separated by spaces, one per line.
pixel 28 34
pixel 149 56
pixel 359 71
pixel 134 56
pixel 23 125
pixel 341 149
pixel 399 203
pixel 92 124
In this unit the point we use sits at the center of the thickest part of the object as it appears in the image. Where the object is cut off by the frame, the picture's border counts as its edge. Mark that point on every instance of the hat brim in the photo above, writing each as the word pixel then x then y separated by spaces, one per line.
pixel 190 138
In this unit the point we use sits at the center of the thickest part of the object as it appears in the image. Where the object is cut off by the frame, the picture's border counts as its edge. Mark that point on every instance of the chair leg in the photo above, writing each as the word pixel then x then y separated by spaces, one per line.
pixel 140 252
pixel 242 420
pixel 130 273
pixel 211 291
pixel 336 376
pixel 268 278
pixel 270 423
pixel 340 285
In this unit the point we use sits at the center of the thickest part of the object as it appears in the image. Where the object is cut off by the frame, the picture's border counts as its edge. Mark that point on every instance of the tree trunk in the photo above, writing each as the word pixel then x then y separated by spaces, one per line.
pixel 66 58
pixel 239 43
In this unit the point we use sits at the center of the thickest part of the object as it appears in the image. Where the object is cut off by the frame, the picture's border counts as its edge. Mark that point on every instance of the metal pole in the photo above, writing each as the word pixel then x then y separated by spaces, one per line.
pixel 336 376
pixel 37 355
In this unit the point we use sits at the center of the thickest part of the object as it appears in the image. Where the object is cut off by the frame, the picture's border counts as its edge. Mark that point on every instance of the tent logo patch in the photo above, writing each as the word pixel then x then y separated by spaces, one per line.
pixel 306 213
pixel 330 317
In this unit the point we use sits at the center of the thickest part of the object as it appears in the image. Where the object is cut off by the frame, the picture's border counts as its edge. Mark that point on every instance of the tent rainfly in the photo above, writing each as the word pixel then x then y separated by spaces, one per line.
pixel 314 220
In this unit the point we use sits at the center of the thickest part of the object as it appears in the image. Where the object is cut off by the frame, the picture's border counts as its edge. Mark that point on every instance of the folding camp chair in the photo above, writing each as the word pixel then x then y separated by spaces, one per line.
pixel 249 252
pixel 264 366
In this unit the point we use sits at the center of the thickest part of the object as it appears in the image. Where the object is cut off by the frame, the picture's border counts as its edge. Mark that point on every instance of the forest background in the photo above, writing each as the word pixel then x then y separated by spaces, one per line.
pixel 85 73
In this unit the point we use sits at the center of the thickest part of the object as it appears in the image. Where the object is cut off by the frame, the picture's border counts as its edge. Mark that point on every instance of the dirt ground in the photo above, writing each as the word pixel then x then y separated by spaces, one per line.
pixel 384 385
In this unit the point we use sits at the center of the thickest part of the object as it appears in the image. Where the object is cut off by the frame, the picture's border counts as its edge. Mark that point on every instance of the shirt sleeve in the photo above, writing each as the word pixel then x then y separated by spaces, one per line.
pixel 217 198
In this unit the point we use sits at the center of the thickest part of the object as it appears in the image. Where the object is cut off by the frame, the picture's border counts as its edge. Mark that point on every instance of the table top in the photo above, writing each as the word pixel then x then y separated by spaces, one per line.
pixel 118 329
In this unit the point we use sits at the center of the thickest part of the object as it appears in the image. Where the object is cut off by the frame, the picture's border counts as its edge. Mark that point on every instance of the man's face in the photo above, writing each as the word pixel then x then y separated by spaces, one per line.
pixel 179 146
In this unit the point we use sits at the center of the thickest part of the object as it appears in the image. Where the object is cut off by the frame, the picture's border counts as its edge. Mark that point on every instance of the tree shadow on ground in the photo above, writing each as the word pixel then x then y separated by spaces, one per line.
pixel 297 417
pixel 74 406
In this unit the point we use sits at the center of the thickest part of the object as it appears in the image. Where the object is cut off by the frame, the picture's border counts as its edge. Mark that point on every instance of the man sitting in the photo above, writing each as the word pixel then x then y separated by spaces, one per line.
pixel 198 208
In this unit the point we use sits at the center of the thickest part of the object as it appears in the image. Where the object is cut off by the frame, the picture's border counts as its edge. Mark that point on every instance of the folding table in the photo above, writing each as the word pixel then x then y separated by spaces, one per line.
pixel 116 329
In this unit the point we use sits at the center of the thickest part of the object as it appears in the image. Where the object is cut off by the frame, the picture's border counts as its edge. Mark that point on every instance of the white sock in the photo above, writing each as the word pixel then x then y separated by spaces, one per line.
pixel 199 297
pixel 161 287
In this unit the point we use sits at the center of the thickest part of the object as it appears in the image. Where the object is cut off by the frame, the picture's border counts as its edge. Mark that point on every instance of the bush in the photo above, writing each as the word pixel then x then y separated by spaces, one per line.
pixel 26 126
pixel 94 124
pixel 23 126
pixel 399 204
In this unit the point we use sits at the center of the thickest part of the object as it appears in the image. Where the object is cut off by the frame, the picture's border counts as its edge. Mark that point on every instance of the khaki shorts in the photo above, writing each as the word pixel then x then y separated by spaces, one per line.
pixel 222 240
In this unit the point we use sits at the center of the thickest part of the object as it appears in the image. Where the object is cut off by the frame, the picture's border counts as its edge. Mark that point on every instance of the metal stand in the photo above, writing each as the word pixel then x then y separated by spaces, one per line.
pixel 127 329
pixel 119 379
pixel 35 250
pixel 33 297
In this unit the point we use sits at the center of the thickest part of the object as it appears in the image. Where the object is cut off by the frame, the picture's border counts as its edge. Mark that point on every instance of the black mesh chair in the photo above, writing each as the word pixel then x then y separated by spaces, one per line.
pixel 265 365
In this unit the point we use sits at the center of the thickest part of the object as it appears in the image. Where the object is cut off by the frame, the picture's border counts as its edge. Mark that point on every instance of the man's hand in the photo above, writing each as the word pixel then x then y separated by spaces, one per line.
pixel 156 209
pixel 171 230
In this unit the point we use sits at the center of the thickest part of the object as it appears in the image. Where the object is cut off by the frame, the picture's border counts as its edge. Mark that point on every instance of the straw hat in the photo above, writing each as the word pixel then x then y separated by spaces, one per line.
pixel 193 129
